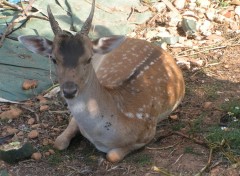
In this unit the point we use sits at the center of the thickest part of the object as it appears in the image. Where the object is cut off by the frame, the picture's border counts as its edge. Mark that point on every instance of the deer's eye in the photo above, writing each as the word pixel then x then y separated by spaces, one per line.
pixel 54 60
pixel 89 60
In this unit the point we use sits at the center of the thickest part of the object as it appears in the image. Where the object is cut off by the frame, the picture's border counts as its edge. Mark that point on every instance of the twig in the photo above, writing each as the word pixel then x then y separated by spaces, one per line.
pixel 131 13
pixel 98 6
pixel 171 7
pixel 59 112
pixel 154 17
pixel 162 171
pixel 14 6
pixel 25 10
pixel 22 16
pixel 208 163
pixel 178 159
pixel 31 110
pixel 162 148
pixel 78 171
pixel 193 139
pixel 219 47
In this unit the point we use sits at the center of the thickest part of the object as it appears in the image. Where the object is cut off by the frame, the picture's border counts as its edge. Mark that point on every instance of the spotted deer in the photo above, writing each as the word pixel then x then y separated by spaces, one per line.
pixel 117 88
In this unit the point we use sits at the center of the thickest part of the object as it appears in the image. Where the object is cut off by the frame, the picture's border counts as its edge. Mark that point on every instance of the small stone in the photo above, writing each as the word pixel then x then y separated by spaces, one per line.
pixel 197 62
pixel 226 66
pixel 237 10
pixel 31 121
pixel 234 26
pixel 35 126
pixel 33 134
pixel 51 151
pixel 59 118
pixel 41 99
pixel 188 43
pixel 192 5
pixel 45 125
pixel 151 34
pixel 174 117
pixel 36 156
pixel 50 141
pixel 44 107
pixel 204 3
pixel 211 14
pixel 228 14
pixel 20 133
pixel 11 130
pixel 179 4
pixel 215 38
pixel 173 19
pixel 205 28
pixel 45 141
pixel 183 62
pixel 207 105
pixel 47 153
pixel 56 129
pixel 160 6
pixel 235 2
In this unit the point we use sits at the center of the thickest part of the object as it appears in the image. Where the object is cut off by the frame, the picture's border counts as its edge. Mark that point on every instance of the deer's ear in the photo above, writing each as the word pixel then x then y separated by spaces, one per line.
pixel 37 44
pixel 107 44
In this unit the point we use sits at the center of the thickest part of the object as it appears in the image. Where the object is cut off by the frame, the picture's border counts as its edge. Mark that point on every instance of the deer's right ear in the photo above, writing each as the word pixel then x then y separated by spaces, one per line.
pixel 37 44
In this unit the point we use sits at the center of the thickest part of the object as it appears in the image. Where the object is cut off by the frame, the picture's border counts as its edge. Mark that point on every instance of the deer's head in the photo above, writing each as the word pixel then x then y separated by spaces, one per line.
pixel 71 54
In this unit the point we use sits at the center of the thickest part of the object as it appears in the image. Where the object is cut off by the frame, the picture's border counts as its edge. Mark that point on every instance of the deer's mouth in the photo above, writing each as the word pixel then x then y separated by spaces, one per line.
pixel 69 90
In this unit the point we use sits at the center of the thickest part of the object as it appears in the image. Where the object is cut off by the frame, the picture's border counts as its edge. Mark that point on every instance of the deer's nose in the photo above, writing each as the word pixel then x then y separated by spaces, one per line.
pixel 69 89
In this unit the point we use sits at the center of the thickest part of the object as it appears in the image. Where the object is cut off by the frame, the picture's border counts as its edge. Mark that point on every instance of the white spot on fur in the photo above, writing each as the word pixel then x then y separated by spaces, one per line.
pixel 77 107
pixel 139 115
pixel 147 67
pixel 140 109
pixel 129 114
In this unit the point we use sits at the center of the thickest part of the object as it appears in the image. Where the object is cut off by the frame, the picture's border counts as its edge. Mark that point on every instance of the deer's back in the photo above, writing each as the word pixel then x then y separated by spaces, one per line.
pixel 150 82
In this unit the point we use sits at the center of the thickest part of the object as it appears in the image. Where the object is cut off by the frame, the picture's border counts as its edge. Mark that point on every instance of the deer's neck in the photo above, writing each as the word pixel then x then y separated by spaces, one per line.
pixel 94 101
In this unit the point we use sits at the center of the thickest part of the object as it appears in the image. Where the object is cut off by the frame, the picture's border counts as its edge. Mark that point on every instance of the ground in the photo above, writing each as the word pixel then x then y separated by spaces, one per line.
pixel 170 153
pixel 184 143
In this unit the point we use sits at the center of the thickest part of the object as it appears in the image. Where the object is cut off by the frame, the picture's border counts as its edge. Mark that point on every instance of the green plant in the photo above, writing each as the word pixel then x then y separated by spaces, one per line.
pixel 223 3
pixel 143 160
pixel 178 126
pixel 226 139
pixel 191 151
pixel 196 125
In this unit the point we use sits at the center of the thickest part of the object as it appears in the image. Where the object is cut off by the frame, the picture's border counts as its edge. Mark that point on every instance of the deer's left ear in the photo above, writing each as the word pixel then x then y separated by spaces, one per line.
pixel 107 44
pixel 37 44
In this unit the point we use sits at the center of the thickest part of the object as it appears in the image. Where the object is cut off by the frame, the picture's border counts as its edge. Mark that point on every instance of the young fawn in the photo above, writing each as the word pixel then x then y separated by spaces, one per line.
pixel 117 88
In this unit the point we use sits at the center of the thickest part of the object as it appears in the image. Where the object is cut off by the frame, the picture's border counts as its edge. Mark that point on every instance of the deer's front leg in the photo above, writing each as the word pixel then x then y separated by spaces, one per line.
pixel 63 140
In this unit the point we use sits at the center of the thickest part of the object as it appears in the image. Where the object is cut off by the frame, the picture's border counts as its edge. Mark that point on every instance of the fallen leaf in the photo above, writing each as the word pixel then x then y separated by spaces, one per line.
pixel 33 134
pixel 31 121
pixel 44 107
pixel 29 84
pixel 36 156
pixel 13 113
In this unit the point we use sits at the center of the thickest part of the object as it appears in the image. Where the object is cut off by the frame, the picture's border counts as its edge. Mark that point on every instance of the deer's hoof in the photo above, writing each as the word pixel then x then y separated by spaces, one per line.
pixel 61 143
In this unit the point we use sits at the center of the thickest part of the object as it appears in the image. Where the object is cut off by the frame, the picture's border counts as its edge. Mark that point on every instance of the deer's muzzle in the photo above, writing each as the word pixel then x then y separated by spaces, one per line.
pixel 69 90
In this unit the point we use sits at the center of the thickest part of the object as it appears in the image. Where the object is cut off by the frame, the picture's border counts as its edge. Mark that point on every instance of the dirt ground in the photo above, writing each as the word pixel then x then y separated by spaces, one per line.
pixel 178 148
pixel 168 154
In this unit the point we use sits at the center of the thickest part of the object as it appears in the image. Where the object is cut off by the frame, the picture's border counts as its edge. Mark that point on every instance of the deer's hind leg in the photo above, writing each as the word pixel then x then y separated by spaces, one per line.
pixel 117 154
pixel 64 139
